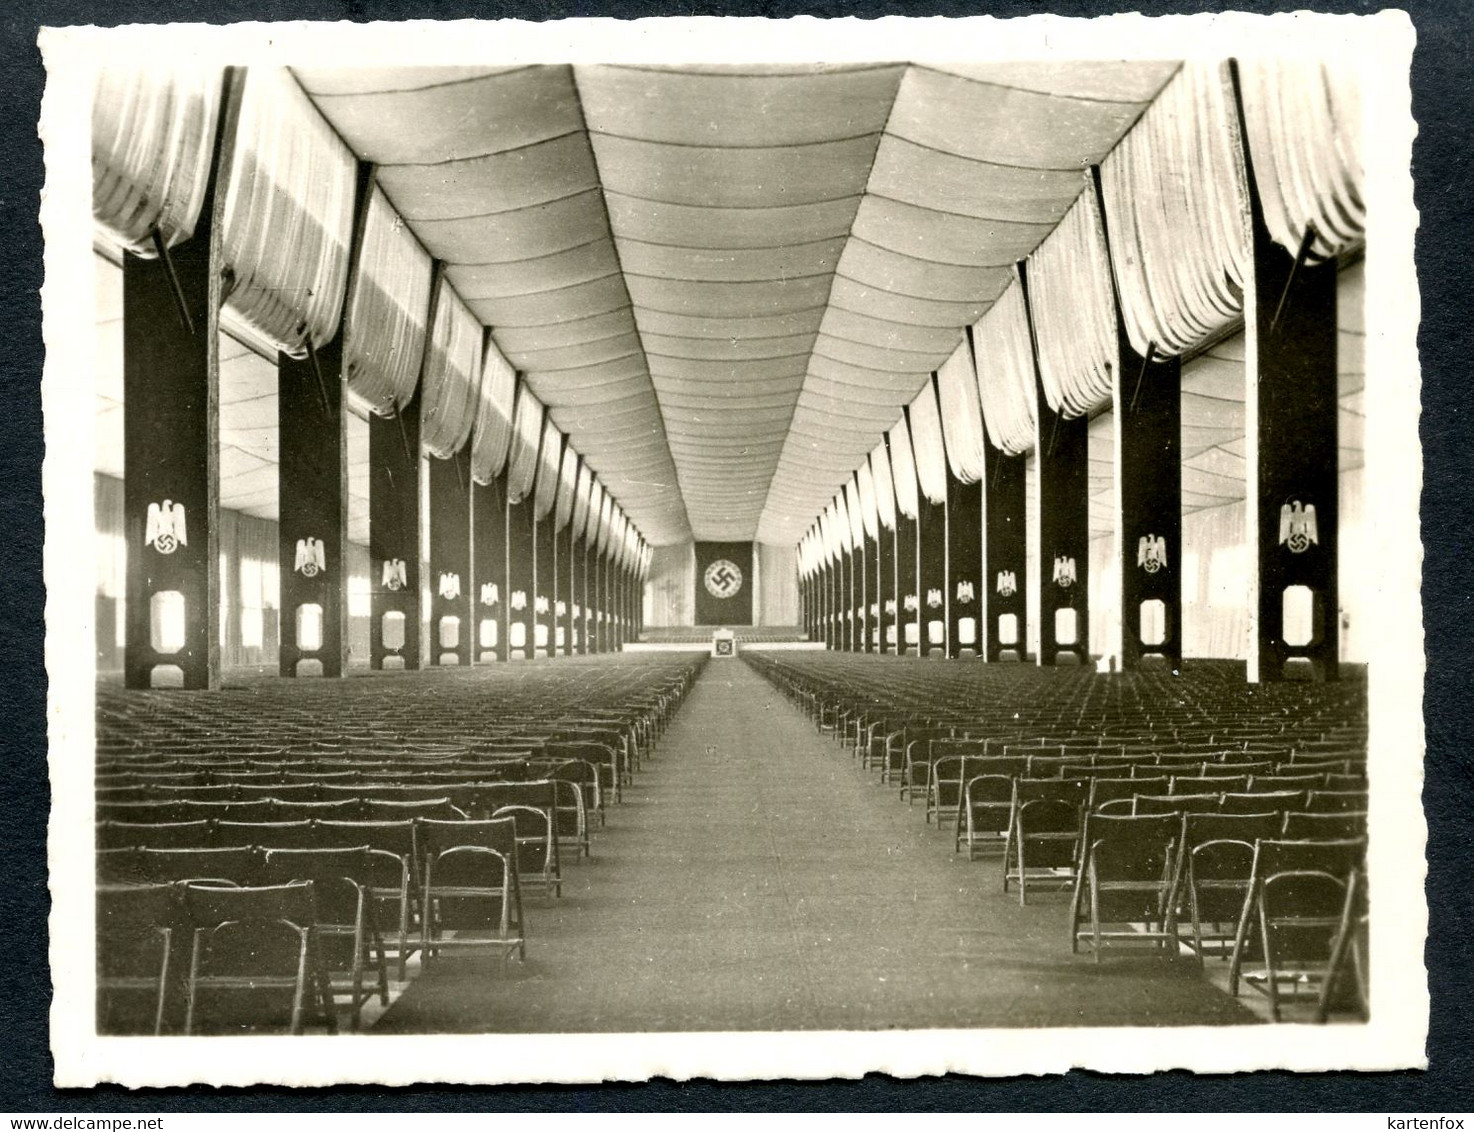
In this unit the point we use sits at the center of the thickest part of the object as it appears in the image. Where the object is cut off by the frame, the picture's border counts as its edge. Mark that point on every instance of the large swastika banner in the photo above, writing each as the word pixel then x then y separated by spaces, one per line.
pixel 724 583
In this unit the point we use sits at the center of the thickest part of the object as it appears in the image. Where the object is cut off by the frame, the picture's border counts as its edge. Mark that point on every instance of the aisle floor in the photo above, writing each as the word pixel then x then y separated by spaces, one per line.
pixel 755 879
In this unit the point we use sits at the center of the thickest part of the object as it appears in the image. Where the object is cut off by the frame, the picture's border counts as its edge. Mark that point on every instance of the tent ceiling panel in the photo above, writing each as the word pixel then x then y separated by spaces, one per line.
pixel 570 332
pixel 849 327
pixel 580 354
pixel 725 303
pixel 538 308
pixel 878 358
pixel 740 228
pixel 518 277
pixel 733 264
pixel 728 349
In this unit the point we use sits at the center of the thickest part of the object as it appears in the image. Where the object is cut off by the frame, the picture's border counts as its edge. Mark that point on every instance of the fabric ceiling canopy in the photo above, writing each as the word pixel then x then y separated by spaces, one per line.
pixel 726 281
pixel 450 385
pixel 493 435
pixel 962 415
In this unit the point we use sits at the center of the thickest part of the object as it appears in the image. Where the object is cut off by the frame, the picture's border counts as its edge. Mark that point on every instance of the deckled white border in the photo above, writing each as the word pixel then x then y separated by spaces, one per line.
pixel 1395 1037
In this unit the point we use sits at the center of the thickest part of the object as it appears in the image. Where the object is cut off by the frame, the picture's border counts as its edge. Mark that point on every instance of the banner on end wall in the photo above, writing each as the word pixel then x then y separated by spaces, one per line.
pixel 724 583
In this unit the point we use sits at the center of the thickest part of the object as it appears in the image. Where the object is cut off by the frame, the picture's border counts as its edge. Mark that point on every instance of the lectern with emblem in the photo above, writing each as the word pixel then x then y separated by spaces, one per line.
pixel 723 642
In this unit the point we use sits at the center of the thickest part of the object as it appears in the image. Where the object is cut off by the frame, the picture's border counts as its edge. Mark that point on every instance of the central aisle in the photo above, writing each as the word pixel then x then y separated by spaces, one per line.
pixel 754 879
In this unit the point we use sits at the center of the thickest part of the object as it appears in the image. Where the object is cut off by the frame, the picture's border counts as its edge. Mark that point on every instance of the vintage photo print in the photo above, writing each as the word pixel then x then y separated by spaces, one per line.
pixel 732 548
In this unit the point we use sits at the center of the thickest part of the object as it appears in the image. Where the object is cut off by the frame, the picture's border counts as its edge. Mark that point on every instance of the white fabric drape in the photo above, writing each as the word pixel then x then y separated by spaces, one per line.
pixel 1176 198
pixel 549 464
pixel 1304 125
pixel 1074 312
pixel 595 512
pixel 492 437
pixel 927 446
pixel 962 415
pixel 450 384
pixel 865 488
pixel 857 521
pixel 580 520
pixel 288 216
pixel 903 470
pixel 606 519
pixel 845 529
pixel 567 486
pixel 153 136
pixel 527 427
pixel 831 540
pixel 885 486
pixel 384 316
pixel 1005 365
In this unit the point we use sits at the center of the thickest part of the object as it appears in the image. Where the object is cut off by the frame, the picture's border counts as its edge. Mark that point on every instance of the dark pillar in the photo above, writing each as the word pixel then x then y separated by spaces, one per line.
pixel 581 596
pixel 312 489
pixel 451 597
pixel 489 566
pixel 521 581
pixel 1002 596
pixel 394 538
pixel 845 574
pixel 1293 504
pixel 965 565
pixel 885 591
pixel 171 445
pixel 1062 462
pixel 866 595
pixel 931 578
pixel 542 589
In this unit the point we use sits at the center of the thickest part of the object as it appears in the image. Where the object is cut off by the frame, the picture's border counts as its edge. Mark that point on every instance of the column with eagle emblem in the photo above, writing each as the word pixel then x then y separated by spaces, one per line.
pixel 489 567
pixel 1293 419
pixel 394 538
pixel 452 601
pixel 1146 410
pixel 1062 464
pixel 171 433
pixel 1002 595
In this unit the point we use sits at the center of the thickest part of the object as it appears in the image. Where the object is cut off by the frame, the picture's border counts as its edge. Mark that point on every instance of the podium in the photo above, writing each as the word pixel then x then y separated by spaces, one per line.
pixel 723 643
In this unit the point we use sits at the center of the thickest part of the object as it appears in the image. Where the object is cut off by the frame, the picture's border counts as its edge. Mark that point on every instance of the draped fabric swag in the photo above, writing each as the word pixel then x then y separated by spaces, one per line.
pixel 927 446
pixel 595 514
pixel 846 529
pixel 1005 365
pixel 567 485
pixel 1176 196
pixel 1304 133
pixel 492 437
pixel 450 385
pixel 581 501
pixel 962 415
pixel 384 316
pixel 527 426
pixel 857 521
pixel 549 463
pixel 153 135
pixel 885 489
pixel 1074 312
pixel 288 217
pixel 865 489
pixel 903 470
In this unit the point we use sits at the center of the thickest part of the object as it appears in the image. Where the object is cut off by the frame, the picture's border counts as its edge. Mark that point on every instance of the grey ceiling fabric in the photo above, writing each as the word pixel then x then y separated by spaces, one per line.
pixel 726 282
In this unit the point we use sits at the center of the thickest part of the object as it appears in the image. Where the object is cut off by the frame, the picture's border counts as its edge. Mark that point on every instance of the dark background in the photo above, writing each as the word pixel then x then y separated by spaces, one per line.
pixel 734 610
pixel 1443 154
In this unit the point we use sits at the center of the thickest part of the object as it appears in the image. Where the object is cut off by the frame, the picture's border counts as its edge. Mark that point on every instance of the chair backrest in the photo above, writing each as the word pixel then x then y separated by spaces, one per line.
pixel 1337 801
pixel 131 922
pixel 1210 784
pixel 301 809
pixel 208 906
pixel 1337 857
pixel 237 865
pixel 1340 825
pixel 1131 847
pixel 263 835
pixel 1103 790
pixel 1048 816
pixel 1073 791
pixel 153 835
pixel 499 834
pixel 1281 800
pixel 438 809
pixel 1249 828
pixel 1261 783
pixel 1152 804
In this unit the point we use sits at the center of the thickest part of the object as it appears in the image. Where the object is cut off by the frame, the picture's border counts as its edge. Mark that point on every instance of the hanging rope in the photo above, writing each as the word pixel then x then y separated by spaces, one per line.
pixel 450 384
pixel 1304 124
pixel 153 136
pixel 962 415
pixel 288 216
pixel 1074 312
pixel 1176 199
pixel 1005 365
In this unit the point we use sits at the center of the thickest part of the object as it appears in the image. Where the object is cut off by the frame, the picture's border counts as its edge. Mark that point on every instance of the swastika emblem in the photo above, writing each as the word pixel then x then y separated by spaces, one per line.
pixel 723 579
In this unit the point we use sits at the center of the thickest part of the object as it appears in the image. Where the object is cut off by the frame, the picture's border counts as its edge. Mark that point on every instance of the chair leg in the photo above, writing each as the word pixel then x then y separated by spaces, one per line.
pixel 1095 912
pixel 191 986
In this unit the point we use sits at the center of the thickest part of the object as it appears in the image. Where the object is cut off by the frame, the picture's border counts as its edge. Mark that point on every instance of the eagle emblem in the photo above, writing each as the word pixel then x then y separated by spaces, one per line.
pixel 394 576
pixel 540 604
pixel 934 599
pixel 875 609
pixel 1064 571
pixel 890 607
pixel 1007 583
pixel 311 559
pixel 164 529
pixel 560 610
pixel 1151 553
pixel 910 604
pixel 965 593
pixel 519 600
pixel 1297 526
pixel 489 593
pixel 450 586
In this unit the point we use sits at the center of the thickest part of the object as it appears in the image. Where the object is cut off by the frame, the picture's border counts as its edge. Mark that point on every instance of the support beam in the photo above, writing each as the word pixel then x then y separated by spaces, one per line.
pixel 885 591
pixel 964 566
pixel 452 600
pixel 1003 596
pixel 521 579
pixel 866 597
pixel 489 568
pixel 1292 416
pixel 542 589
pixel 1062 533
pixel 171 444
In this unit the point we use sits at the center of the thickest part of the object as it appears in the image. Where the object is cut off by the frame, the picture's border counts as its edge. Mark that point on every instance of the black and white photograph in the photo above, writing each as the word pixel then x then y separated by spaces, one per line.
pixel 732 548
